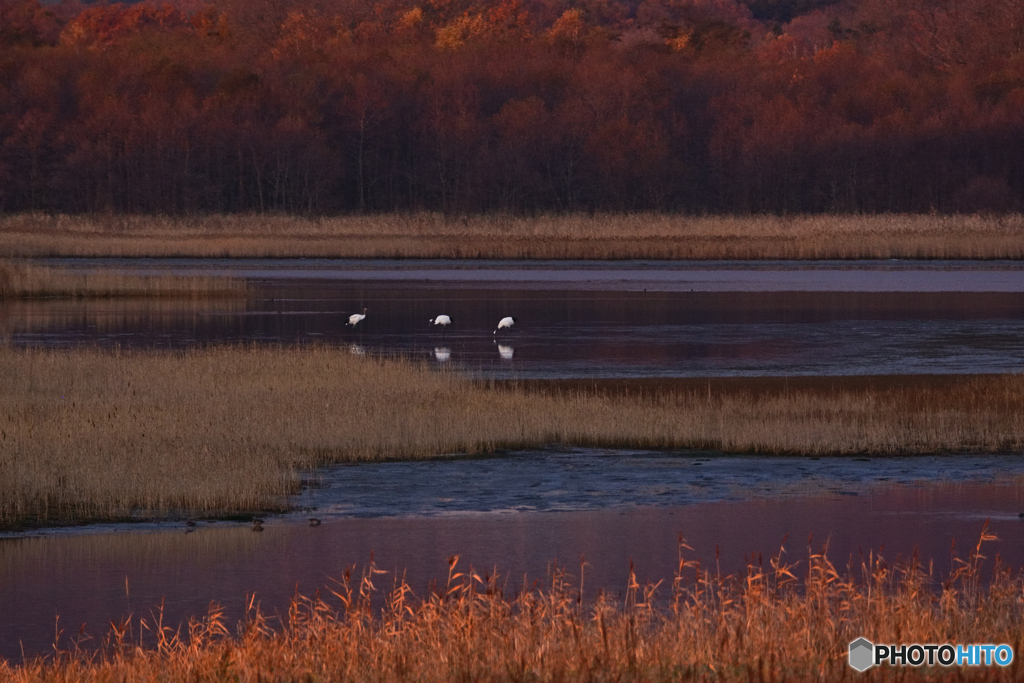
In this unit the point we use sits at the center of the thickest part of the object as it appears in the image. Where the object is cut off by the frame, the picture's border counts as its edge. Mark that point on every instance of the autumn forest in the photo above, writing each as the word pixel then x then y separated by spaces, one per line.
pixel 522 106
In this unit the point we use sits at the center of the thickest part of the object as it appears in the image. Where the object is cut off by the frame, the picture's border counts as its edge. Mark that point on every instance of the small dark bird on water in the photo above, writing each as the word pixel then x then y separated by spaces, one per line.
pixel 189 523
pixel 313 521
pixel 257 525
pixel 1021 515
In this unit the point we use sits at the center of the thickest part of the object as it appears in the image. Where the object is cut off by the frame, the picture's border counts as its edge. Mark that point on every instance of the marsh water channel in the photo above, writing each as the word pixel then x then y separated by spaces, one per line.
pixel 581 319
pixel 521 511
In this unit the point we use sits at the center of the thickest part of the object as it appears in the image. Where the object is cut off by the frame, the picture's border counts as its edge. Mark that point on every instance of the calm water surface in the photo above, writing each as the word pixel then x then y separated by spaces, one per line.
pixel 583 319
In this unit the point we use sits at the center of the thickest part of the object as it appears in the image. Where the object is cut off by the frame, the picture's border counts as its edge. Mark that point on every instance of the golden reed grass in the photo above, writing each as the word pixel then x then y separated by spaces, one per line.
pixel 25 280
pixel 778 621
pixel 94 434
pixel 602 236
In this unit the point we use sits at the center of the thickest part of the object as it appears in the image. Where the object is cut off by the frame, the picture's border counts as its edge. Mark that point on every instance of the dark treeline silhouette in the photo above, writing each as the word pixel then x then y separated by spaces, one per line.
pixel 333 106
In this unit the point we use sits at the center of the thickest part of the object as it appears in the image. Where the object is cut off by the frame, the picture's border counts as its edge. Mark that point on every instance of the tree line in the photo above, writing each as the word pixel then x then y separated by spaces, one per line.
pixel 524 106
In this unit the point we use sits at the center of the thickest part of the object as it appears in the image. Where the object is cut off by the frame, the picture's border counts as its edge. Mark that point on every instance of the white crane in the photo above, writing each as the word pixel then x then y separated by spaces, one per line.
pixel 441 320
pixel 507 321
pixel 356 318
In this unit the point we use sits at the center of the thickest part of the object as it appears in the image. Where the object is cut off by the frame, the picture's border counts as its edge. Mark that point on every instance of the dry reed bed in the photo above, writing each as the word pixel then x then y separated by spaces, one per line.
pixel 602 236
pixel 26 280
pixel 101 315
pixel 779 621
pixel 93 434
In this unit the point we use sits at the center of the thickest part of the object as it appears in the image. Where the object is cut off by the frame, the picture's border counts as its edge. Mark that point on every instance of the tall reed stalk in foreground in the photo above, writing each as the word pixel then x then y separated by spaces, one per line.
pixel 778 621
pixel 88 434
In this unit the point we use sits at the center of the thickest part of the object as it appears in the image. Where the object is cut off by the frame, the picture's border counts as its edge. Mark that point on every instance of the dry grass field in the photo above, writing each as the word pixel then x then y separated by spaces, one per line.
pixel 632 236
pixel 91 434
pixel 26 280
pixel 779 621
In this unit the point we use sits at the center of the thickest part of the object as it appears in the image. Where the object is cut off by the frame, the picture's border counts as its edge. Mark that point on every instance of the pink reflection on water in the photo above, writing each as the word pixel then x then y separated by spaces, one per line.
pixel 91 580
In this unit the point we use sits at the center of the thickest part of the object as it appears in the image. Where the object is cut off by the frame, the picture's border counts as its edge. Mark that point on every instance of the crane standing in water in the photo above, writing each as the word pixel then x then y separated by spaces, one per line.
pixel 507 321
pixel 356 318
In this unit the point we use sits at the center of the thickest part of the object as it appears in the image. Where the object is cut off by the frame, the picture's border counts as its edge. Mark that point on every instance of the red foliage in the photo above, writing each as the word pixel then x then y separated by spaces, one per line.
pixel 520 105
pixel 108 23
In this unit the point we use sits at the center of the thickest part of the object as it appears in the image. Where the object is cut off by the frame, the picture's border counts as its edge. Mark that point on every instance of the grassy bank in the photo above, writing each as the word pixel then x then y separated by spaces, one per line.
pixel 111 314
pixel 631 236
pixel 24 280
pixel 779 621
pixel 91 434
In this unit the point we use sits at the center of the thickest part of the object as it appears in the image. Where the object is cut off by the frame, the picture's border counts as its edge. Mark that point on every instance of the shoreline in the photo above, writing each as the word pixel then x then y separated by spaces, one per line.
pixel 753 387
pixel 24 280
pixel 91 434
pixel 297 512
pixel 502 236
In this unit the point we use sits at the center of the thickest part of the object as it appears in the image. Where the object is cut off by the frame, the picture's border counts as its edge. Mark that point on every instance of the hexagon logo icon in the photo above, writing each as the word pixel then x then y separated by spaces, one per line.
pixel 862 654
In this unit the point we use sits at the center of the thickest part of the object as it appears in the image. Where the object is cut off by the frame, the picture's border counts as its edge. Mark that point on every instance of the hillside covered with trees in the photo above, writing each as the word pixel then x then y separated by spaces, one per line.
pixel 341 106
